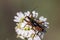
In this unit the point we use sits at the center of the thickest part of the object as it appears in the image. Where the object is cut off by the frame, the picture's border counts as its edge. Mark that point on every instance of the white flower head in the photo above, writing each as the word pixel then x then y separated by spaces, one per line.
pixel 28 26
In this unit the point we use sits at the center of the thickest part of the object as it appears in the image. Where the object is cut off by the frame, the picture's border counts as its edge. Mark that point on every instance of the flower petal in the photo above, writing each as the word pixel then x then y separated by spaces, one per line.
pixel 42 19
pixel 37 37
pixel 30 39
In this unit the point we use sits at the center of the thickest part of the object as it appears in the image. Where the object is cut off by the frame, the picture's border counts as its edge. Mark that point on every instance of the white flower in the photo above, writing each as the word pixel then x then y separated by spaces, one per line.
pixel 27 19
pixel 42 19
pixel 42 35
pixel 23 24
pixel 37 37
pixel 19 17
pixel 21 37
pixel 36 32
pixel 30 38
pixel 39 33
pixel 18 31
pixel 25 28
pixel 27 13
pixel 25 33
pixel 31 32
pixel 46 24
pixel 35 15
pixel 28 33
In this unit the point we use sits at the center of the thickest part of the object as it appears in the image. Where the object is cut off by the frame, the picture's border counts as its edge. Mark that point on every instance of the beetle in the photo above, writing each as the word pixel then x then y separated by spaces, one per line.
pixel 35 24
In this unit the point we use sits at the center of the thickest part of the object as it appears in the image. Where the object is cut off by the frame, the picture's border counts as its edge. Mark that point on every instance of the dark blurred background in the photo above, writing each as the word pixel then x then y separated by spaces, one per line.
pixel 46 8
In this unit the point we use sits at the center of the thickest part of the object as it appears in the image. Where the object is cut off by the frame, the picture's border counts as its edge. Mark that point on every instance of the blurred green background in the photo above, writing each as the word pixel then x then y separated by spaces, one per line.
pixel 46 8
